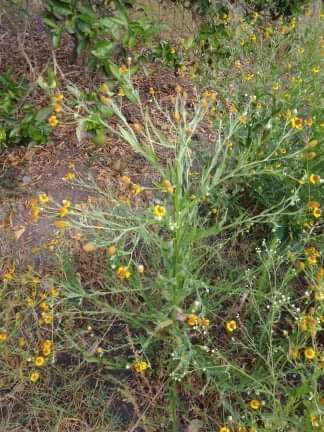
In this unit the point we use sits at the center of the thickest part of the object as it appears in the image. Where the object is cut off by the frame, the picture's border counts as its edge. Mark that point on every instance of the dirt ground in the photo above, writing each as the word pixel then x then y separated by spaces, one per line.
pixel 26 172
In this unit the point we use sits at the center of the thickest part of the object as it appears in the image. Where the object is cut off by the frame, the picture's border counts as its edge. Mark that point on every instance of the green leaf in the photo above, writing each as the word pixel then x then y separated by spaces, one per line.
pixel 115 71
pixel 103 49
pixel 61 8
pixel 43 114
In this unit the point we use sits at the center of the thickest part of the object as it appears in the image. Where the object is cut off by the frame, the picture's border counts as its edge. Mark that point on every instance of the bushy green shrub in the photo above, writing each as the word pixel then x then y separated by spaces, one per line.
pixel 20 122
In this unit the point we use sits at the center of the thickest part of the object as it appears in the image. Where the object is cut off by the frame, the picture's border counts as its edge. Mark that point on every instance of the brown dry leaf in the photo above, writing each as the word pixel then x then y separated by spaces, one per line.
pixel 19 231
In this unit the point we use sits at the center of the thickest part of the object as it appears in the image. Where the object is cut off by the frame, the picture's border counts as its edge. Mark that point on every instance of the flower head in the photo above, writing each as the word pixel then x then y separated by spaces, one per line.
pixel 123 273
pixel 231 326
pixel 53 121
pixel 3 337
pixel 43 198
pixel 140 366
pixel 112 250
pixel 159 211
pixel 255 404
pixel 309 353
pixel 39 361
pixel 297 123
pixel 34 376
pixel 192 320
pixel 314 179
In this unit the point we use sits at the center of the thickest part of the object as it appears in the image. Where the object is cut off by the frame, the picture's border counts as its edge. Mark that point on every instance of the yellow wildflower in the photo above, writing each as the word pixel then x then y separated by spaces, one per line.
pixel 316 69
pixel 224 429
pixel 39 361
pixel 316 212
pixel 3 337
pixel 255 404
pixel 58 97
pixel 89 247
pixel 297 123
pixel 231 326
pixel 140 366
pixel 309 353
pixel 192 320
pixel 53 121
pixel 112 250
pixel 314 179
pixel 140 269
pixel 61 224
pixel 136 189
pixel 159 211
pixel 57 108
pixel 125 180
pixel 34 376
pixel 123 273
pixel 43 198
pixel 168 186
pixel 69 176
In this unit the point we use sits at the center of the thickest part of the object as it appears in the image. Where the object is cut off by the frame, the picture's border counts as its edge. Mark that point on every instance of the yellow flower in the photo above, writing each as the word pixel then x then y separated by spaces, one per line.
pixel 159 211
pixel 123 69
pixel 312 259
pixel 61 224
pixel 231 326
pixel 140 269
pixel 293 353
pixel 253 38
pixel 309 353
pixel 178 88
pixel 54 292
pixel 319 295
pixel 137 126
pixel 275 86
pixel 316 69
pixel 248 76
pixel 308 323
pixel 140 366
pixel 34 376
pixel 112 250
pixel 204 322
pixel 47 317
pixel 136 189
pixel 167 186
pixel 43 198
pixel 317 212
pixel 224 429
pixel 46 351
pixel 9 275
pixel 308 121
pixel 3 337
pixel 58 97
pixel 314 421
pixel 89 247
pixel 125 180
pixel 255 404
pixel 105 100
pixel 123 273
pixel 314 179
pixel 44 306
pixel 297 123
pixel 192 320
pixel 63 211
pixel 53 121
pixel 176 116
pixel 312 143
pixel 57 108
pixel 69 176
pixel 121 92
pixel 243 119
pixel 39 361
